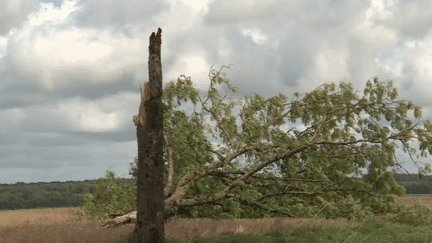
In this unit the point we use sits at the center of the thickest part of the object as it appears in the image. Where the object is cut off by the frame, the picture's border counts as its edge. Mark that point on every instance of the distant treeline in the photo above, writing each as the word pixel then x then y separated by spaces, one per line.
pixel 58 194
pixel 54 194
pixel 412 183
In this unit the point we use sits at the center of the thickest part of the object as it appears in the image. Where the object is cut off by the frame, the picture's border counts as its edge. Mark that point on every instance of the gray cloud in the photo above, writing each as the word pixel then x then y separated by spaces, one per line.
pixel 70 71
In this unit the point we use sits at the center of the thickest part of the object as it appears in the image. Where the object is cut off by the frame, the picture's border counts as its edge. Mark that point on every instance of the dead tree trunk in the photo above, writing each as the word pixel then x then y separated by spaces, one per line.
pixel 150 185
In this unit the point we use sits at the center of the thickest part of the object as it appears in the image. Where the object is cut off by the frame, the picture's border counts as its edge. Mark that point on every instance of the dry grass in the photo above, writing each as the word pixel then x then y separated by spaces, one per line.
pixel 53 225
pixel 59 225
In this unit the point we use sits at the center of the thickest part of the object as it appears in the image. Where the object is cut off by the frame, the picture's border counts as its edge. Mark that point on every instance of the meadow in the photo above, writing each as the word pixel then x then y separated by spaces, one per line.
pixel 61 225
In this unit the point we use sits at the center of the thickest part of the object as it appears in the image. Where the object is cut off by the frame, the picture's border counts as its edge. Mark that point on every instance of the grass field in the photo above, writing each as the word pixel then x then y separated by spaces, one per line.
pixel 60 225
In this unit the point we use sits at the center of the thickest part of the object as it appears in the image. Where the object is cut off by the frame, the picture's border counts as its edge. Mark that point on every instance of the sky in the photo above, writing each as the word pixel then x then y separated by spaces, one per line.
pixel 70 71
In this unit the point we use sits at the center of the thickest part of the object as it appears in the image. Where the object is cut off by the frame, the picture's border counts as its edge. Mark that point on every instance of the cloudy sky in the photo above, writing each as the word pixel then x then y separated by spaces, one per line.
pixel 70 71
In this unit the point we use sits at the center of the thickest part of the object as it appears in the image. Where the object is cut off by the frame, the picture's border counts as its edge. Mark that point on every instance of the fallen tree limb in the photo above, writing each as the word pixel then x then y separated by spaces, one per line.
pixel 130 218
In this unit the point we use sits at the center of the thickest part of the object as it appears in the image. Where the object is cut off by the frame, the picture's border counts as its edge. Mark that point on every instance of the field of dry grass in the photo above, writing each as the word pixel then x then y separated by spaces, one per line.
pixel 59 225
pixel 53 225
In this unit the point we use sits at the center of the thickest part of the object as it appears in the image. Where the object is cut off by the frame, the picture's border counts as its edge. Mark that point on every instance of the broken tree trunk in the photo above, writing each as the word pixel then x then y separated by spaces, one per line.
pixel 150 186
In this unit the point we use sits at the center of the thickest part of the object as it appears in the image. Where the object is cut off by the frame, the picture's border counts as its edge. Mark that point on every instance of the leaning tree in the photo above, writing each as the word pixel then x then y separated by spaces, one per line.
pixel 315 163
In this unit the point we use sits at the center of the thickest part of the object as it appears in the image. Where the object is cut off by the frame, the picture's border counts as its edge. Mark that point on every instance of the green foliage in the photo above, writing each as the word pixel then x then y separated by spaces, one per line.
pixel 419 216
pixel 32 195
pixel 315 163
pixel 113 198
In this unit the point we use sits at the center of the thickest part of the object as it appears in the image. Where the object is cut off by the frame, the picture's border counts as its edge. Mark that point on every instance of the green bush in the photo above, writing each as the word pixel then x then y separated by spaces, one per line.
pixel 112 198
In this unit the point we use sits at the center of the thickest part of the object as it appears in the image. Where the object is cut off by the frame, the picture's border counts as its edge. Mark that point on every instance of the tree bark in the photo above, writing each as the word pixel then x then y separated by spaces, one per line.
pixel 150 185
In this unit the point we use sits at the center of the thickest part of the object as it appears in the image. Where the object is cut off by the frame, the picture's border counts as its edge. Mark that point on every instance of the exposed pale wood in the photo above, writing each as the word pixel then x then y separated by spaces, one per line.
pixel 130 218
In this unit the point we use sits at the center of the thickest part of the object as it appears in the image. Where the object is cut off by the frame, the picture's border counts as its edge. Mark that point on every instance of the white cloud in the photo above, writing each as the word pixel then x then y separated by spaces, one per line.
pixel 70 75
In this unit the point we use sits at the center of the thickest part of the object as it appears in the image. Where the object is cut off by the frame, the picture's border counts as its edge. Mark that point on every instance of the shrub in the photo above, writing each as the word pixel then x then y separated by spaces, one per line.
pixel 112 198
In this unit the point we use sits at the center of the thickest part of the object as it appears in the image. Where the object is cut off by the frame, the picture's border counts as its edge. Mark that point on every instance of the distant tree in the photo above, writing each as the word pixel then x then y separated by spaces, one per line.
pixel 78 189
